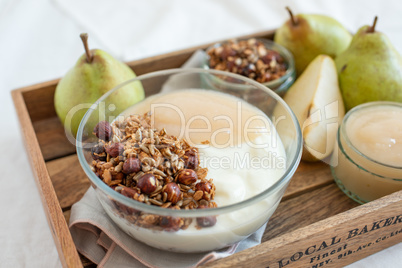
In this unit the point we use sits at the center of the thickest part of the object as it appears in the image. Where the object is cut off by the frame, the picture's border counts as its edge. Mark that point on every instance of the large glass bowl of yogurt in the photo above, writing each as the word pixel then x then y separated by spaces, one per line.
pixel 190 168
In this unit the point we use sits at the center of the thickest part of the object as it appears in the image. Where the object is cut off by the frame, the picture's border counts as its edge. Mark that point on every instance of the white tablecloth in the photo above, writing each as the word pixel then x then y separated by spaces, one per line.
pixel 39 41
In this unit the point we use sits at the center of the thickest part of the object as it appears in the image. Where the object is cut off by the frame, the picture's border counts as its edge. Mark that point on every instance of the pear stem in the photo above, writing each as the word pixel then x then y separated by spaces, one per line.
pixel 292 18
pixel 84 38
pixel 372 28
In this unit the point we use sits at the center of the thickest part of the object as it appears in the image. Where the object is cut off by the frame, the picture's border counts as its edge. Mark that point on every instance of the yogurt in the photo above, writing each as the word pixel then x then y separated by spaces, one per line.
pixel 242 151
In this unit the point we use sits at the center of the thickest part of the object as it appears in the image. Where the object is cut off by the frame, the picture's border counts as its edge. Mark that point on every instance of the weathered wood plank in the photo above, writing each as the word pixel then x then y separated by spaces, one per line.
pixel 52 138
pixel 307 208
pixel 59 229
pixel 308 176
pixel 69 180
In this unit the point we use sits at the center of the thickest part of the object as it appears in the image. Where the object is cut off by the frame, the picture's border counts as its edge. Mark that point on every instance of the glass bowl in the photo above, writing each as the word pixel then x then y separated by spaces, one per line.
pixel 235 221
pixel 280 85
pixel 357 174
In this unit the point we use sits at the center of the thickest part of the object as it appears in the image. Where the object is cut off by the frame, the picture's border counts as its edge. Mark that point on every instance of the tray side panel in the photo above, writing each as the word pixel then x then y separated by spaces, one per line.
pixel 61 234
pixel 333 242
pixel 38 100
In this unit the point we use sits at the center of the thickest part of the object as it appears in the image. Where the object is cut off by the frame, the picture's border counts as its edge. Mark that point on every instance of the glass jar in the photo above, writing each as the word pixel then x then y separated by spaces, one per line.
pixel 369 151
pixel 279 86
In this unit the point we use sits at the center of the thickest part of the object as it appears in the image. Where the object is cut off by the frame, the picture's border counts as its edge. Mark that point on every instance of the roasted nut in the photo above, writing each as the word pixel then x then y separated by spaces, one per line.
pixel 191 159
pixel 118 177
pixel 207 221
pixel 131 165
pixel 129 192
pixel 149 219
pixel 172 224
pixel 206 188
pixel 187 176
pixel 198 195
pixel 107 176
pixel 203 186
pixel 98 152
pixel 147 183
pixel 115 149
pixel 103 130
pixel 125 209
pixel 173 192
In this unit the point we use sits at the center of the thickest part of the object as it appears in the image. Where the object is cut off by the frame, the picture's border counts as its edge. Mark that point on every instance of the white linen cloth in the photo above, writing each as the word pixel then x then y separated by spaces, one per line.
pixel 103 242
pixel 39 42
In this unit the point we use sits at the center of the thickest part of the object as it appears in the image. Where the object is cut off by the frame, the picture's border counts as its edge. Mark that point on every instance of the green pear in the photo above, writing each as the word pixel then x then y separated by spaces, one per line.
pixel 370 69
pixel 95 73
pixel 307 35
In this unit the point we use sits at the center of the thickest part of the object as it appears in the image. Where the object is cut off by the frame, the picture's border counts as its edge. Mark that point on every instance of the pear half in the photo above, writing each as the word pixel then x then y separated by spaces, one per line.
pixel 316 100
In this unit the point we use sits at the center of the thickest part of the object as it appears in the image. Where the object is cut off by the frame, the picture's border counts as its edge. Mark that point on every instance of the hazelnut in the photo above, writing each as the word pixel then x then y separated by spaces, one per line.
pixel 191 159
pixel 207 221
pixel 173 192
pixel 206 188
pixel 187 176
pixel 115 149
pixel 129 192
pixel 98 152
pixel 171 223
pixel 147 183
pixel 125 209
pixel 103 130
pixel 131 165
pixel 203 186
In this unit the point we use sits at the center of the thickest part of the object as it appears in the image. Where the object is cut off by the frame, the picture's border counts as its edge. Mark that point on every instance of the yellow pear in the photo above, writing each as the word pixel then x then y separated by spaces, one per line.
pixel 316 100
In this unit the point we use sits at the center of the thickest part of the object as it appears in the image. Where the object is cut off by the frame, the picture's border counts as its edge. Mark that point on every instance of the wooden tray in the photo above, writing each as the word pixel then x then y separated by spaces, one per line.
pixel 315 224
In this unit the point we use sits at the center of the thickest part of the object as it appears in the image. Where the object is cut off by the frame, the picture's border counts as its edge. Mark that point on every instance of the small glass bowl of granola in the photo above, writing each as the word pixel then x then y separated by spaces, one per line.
pixel 185 169
pixel 259 59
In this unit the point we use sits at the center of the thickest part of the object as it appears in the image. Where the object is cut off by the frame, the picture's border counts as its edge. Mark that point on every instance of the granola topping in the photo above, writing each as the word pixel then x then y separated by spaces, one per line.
pixel 249 58
pixel 152 167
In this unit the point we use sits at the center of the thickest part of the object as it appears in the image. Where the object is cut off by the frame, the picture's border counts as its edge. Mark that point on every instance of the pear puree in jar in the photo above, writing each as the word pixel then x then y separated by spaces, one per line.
pixel 371 137
pixel 242 151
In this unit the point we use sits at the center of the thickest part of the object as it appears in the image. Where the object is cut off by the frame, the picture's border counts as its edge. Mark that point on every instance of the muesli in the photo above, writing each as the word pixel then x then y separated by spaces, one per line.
pixel 152 167
pixel 250 58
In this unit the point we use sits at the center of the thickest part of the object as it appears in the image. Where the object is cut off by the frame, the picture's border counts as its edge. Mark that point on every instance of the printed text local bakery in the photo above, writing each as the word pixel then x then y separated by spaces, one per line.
pixel 341 246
